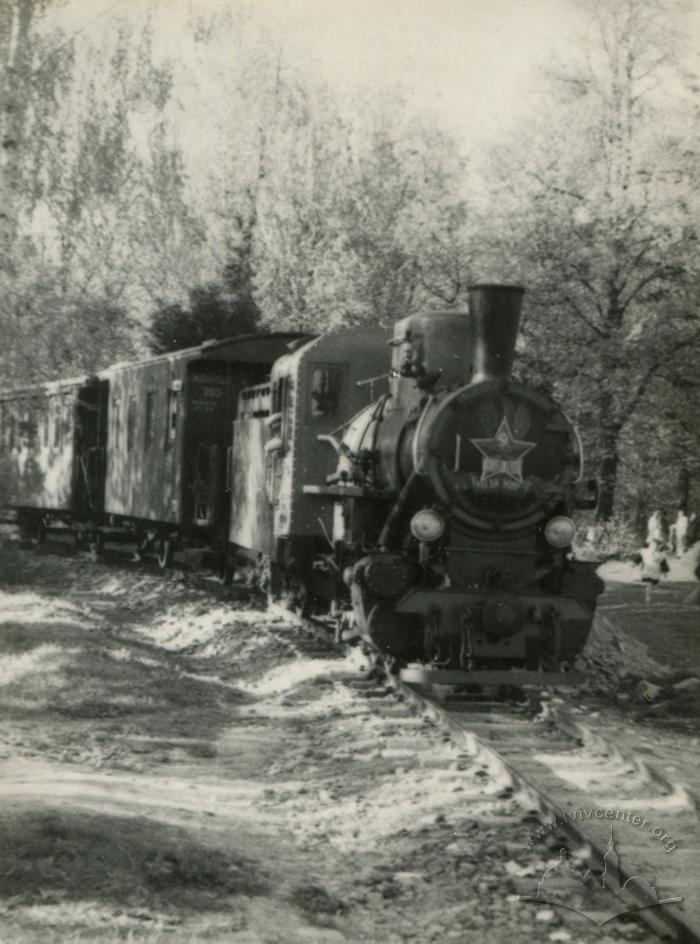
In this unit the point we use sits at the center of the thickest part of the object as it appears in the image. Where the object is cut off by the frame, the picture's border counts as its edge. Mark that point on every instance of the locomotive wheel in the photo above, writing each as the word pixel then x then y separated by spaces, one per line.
pixel 32 530
pixel 165 553
pixel 275 582
pixel 395 634
pixel 226 568
pixel 95 545
pixel 36 534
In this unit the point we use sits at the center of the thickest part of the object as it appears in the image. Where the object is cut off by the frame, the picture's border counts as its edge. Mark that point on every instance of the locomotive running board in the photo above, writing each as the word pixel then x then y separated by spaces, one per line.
pixel 518 678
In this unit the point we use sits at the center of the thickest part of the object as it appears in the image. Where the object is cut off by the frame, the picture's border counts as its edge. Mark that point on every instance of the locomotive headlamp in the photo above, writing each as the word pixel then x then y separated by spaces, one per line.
pixel 427 525
pixel 560 531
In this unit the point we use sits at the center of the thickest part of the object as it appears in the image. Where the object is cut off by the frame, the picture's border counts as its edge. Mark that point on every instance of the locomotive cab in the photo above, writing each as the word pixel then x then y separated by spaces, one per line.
pixel 287 436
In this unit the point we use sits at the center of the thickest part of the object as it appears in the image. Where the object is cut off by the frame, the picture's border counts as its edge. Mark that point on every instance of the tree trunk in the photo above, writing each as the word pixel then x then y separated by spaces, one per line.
pixel 684 489
pixel 608 481
pixel 15 63
pixel 641 516
pixel 608 436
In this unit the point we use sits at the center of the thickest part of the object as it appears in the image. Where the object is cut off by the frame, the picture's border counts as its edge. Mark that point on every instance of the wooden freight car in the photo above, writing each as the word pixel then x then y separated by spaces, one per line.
pixel 169 436
pixel 138 452
pixel 51 452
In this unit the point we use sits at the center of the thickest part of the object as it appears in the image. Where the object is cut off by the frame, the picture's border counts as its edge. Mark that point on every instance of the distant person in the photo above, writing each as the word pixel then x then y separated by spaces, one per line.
pixel 657 528
pixel 654 566
pixel 678 534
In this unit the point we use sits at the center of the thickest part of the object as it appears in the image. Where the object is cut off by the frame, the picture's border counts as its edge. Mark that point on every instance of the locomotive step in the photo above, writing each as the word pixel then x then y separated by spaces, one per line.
pixel 460 704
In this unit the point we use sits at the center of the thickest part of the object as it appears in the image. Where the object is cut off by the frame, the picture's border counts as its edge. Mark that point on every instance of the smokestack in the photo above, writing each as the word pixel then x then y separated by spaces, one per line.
pixel 494 315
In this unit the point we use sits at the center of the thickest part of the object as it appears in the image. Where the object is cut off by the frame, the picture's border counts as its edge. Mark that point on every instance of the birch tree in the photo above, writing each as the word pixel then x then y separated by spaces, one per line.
pixel 92 214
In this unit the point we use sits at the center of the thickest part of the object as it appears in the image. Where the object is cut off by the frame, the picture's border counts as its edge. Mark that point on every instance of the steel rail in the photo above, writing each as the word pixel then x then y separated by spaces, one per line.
pixel 663 920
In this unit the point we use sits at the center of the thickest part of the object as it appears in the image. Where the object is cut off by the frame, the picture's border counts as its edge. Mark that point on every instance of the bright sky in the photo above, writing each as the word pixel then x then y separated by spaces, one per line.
pixel 471 61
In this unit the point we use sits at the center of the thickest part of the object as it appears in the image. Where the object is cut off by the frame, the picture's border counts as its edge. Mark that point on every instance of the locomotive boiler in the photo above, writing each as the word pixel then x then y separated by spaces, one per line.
pixel 455 528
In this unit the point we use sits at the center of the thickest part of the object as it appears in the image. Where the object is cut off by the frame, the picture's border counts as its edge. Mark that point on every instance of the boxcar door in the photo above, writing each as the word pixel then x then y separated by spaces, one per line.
pixel 90 450
pixel 209 417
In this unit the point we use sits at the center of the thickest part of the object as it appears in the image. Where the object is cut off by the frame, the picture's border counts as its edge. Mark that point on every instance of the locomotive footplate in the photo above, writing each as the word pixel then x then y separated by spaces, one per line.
pixel 449 602
pixel 531 631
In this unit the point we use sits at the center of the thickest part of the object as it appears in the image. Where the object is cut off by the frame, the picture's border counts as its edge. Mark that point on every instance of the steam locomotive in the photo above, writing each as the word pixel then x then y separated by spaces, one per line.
pixel 404 488
pixel 448 530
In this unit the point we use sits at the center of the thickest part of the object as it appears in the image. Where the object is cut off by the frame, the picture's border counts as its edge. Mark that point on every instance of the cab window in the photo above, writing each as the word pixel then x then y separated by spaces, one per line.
pixel 33 421
pixel 45 423
pixel 150 422
pixel 325 391
pixel 57 423
pixel 116 420
pixel 279 395
pixel 26 425
pixel 131 424
pixel 67 410
pixel 172 417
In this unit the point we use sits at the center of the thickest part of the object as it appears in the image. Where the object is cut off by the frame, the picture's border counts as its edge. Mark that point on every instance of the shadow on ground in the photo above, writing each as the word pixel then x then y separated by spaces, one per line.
pixel 128 861
pixel 669 627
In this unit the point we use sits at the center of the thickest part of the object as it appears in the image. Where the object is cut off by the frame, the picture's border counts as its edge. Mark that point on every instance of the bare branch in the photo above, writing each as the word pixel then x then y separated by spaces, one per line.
pixel 70 39
pixel 655 366
pixel 553 187
pixel 664 272
pixel 584 318
pixel 592 292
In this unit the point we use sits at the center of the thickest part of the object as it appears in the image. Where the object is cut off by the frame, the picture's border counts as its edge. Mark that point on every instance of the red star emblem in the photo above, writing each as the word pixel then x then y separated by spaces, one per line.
pixel 503 455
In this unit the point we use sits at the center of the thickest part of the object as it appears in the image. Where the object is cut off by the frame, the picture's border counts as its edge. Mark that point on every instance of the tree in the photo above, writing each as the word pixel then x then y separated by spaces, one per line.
pixel 54 334
pixel 209 315
pixel 94 225
pixel 361 217
pixel 596 205
pixel 24 85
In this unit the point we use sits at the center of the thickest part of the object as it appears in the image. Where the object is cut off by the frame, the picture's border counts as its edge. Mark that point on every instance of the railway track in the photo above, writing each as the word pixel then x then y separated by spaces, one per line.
pixel 565 770
pixel 569 771
pixel 637 828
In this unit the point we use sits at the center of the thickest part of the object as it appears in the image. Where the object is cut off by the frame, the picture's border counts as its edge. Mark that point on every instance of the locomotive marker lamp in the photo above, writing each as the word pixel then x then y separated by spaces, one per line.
pixel 560 531
pixel 427 525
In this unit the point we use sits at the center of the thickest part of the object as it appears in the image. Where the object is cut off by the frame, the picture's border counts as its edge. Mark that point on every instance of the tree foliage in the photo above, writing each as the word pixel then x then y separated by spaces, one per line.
pixel 362 221
pixel 86 209
pixel 597 218
pixel 138 212
pixel 209 315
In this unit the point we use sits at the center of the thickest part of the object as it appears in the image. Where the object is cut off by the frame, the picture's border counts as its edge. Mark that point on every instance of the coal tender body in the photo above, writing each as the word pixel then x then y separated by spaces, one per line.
pixel 454 533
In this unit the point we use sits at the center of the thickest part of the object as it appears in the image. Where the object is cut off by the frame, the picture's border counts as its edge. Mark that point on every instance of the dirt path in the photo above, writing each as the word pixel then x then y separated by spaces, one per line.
pixel 172 770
